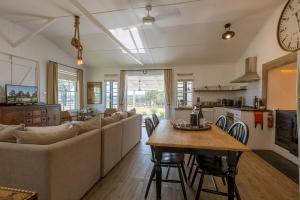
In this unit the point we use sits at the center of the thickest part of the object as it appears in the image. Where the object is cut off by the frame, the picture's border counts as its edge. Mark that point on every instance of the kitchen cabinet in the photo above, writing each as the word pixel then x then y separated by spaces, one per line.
pixel 208 114
pixel 217 111
pixel 183 114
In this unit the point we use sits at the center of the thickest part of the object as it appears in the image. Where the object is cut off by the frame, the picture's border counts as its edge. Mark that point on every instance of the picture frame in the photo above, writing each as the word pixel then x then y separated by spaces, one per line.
pixel 94 92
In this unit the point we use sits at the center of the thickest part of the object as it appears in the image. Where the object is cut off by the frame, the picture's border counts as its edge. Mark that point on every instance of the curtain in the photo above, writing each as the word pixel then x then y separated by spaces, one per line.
pixel 80 87
pixel 52 83
pixel 168 91
pixel 122 91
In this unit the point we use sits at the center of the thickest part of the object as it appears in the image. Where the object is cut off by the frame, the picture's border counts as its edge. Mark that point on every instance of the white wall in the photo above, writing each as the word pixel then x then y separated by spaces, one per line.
pixel 266 48
pixel 38 48
pixel 217 74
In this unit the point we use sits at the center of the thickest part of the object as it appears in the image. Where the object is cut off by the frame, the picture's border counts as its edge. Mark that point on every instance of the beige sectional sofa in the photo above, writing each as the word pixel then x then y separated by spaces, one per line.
pixel 66 170
pixel 117 140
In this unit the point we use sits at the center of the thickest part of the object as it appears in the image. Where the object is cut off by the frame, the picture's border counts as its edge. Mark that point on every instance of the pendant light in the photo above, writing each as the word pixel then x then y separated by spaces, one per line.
pixel 228 33
pixel 76 41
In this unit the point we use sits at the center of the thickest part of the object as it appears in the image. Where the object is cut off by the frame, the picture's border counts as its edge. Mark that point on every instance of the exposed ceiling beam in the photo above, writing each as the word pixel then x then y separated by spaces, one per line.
pixel 95 21
pixel 33 33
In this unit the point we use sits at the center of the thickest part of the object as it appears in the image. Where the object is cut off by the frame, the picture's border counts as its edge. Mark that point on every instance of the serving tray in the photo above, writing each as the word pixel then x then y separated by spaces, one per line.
pixel 188 127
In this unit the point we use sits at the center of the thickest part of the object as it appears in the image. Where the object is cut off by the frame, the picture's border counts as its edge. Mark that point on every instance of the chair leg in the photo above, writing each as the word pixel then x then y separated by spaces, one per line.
pixel 168 171
pixel 195 175
pixel 181 181
pixel 200 186
pixel 183 171
pixel 189 161
pixel 237 193
pixel 224 181
pixel 192 167
pixel 150 181
pixel 214 182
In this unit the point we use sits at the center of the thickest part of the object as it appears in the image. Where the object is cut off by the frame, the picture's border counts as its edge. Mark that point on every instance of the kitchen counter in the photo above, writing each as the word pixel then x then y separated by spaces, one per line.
pixel 246 108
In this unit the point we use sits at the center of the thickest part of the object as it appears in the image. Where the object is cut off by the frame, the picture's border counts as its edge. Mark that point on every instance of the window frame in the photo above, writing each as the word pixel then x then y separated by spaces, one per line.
pixel 184 93
pixel 68 93
pixel 112 92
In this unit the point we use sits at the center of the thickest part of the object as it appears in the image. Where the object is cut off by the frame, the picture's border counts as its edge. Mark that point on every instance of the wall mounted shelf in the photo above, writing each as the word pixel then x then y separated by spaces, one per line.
pixel 221 89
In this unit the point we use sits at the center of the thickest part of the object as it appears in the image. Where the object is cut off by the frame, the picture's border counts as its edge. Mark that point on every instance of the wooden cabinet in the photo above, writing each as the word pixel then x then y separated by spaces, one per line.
pixel 35 115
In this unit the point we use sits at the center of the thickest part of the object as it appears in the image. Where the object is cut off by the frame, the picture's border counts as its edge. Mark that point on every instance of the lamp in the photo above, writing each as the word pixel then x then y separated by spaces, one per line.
pixel 228 33
pixel 76 41
pixel 140 89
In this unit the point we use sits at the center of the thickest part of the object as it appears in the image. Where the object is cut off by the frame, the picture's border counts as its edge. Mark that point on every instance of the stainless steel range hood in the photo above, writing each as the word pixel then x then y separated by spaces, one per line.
pixel 250 72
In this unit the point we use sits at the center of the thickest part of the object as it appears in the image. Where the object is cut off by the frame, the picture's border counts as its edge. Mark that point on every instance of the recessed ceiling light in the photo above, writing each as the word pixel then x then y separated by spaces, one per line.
pixel 228 33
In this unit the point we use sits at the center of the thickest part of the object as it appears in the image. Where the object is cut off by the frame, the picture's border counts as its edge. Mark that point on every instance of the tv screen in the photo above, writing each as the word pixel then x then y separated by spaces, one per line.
pixel 19 94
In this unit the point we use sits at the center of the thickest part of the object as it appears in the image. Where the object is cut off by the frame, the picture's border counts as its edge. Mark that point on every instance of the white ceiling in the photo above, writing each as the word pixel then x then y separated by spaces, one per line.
pixel 193 37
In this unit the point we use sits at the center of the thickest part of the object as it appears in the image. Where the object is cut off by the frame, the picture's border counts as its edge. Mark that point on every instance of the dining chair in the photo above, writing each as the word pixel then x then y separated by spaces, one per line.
pixel 217 165
pixel 155 120
pixel 169 160
pixel 222 124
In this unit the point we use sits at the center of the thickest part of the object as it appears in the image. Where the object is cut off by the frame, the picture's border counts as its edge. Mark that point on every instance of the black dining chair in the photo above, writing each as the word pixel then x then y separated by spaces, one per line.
pixel 155 120
pixel 169 160
pixel 217 165
pixel 222 124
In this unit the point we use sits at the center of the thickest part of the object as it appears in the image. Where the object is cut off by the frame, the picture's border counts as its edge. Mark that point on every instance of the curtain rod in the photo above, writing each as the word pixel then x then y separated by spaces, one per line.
pixel 64 65
pixel 142 69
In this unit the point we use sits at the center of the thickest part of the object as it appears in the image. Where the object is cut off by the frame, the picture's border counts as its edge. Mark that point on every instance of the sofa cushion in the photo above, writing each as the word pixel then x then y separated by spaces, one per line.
pixel 109 120
pixel 91 124
pixel 7 131
pixel 46 135
pixel 123 115
pixel 131 112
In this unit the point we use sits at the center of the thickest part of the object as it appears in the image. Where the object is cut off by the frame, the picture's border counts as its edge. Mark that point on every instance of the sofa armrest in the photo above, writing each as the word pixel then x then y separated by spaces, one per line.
pixel 111 146
pixel 132 130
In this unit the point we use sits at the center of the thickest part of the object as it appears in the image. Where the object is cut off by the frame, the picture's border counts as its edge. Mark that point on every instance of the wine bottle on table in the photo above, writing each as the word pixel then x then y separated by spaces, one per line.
pixel 200 118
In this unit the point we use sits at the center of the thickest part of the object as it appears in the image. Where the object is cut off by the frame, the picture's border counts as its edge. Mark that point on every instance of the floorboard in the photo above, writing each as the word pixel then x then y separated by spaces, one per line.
pixel 257 180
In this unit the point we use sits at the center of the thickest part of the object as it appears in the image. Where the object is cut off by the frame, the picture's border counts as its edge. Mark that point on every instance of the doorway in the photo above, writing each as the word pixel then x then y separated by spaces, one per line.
pixel 145 92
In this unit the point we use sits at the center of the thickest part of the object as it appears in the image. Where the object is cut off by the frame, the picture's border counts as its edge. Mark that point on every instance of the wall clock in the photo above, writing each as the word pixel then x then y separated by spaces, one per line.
pixel 288 31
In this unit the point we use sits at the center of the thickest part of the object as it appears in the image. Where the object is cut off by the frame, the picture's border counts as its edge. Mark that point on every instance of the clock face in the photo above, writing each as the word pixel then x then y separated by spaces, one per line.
pixel 288 32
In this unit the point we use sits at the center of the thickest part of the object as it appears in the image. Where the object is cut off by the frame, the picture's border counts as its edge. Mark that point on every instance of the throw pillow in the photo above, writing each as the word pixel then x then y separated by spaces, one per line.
pixel 123 115
pixel 131 112
pixel 7 131
pixel 109 120
pixel 91 124
pixel 46 135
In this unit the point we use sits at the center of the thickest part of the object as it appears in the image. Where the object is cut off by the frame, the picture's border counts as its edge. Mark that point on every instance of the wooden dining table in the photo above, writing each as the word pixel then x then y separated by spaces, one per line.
pixel 214 141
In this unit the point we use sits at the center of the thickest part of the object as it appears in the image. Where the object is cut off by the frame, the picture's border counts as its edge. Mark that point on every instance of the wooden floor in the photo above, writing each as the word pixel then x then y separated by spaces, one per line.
pixel 128 180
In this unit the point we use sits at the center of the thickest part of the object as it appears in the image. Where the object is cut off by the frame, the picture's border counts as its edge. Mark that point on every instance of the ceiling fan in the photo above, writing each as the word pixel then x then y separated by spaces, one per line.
pixel 150 21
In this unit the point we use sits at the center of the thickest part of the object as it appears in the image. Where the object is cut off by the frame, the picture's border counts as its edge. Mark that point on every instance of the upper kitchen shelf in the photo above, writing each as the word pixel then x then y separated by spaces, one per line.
pixel 220 88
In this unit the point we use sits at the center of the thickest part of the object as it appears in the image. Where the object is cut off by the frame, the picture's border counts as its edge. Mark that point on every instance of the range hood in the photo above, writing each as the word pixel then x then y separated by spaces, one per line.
pixel 250 72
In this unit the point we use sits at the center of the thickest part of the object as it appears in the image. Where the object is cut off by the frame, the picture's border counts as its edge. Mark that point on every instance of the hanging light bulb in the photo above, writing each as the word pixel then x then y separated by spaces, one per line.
pixel 76 41
pixel 228 33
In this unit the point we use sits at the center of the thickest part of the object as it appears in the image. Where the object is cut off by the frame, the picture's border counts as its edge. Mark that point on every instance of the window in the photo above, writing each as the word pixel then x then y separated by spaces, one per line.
pixel 130 38
pixel 111 94
pixel 67 88
pixel 184 93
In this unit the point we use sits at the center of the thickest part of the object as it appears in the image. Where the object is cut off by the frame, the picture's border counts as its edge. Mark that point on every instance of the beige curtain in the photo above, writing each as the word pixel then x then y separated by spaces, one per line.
pixel 52 83
pixel 168 91
pixel 122 91
pixel 80 87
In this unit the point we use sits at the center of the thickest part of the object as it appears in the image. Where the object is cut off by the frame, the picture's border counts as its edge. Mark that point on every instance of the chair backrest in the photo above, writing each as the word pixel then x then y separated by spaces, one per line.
pixel 149 126
pixel 222 122
pixel 155 120
pixel 240 131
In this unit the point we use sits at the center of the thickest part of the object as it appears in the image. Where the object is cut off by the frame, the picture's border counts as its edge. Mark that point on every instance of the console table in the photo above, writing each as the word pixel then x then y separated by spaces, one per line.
pixel 31 115
pixel 16 194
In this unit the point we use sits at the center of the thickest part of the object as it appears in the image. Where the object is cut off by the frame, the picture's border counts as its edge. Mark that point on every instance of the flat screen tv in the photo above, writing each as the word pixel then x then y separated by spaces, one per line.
pixel 20 94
